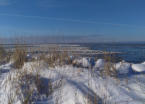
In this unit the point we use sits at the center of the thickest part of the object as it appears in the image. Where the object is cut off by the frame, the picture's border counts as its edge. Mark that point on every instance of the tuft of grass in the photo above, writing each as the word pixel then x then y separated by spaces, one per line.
pixel 4 56
pixel 2 51
pixel 19 57
pixel 109 68
pixel 56 58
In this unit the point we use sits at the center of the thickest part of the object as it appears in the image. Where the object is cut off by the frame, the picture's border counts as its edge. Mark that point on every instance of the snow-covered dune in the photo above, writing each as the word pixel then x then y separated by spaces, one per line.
pixel 138 67
pixel 74 85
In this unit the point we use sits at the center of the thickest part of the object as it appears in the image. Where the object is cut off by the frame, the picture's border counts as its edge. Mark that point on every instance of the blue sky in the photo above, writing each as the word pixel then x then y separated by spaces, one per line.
pixel 116 20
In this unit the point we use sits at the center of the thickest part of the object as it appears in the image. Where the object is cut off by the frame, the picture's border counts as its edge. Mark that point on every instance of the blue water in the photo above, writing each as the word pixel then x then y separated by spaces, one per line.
pixel 130 52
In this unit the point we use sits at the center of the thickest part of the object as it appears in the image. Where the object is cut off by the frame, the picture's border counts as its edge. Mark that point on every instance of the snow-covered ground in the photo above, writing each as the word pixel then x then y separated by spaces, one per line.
pixel 72 85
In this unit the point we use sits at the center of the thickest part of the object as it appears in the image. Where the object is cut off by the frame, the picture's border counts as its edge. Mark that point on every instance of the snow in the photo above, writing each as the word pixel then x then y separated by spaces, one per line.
pixel 123 67
pixel 99 63
pixel 143 63
pixel 75 85
pixel 82 61
pixel 138 67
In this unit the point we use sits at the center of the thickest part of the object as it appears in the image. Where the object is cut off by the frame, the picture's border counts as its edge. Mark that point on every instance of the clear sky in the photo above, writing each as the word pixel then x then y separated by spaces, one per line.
pixel 118 20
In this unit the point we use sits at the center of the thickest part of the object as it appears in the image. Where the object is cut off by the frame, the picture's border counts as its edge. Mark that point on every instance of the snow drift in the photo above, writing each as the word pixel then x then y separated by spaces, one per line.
pixel 72 85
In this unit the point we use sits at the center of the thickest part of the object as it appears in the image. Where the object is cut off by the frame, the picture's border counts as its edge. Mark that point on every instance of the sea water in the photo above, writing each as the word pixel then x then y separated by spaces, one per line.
pixel 134 52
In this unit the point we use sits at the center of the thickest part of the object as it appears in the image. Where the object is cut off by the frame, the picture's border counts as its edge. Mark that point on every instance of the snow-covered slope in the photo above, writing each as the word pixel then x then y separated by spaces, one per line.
pixel 138 67
pixel 74 85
